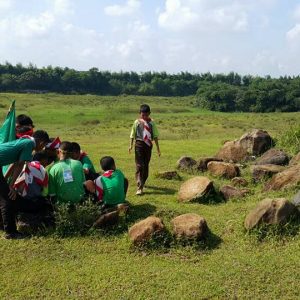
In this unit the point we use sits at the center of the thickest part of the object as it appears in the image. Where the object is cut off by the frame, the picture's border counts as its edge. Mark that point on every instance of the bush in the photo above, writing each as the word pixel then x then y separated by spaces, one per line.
pixel 75 219
pixel 289 140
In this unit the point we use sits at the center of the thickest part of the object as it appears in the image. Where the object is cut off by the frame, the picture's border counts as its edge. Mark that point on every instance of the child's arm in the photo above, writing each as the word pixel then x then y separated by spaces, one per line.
pixel 130 145
pixel 132 135
pixel 157 146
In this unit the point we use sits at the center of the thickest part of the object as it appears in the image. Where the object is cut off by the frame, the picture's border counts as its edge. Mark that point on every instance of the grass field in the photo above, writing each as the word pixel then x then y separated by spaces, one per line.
pixel 235 265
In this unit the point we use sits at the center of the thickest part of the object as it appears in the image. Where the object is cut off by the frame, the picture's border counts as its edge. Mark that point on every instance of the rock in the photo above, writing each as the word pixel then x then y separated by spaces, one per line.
pixel 202 163
pixel 195 189
pixel 221 169
pixel 296 200
pixel 256 142
pixel 273 157
pixel 250 144
pixel 239 181
pixel 270 211
pixel 186 163
pixel 143 231
pixel 284 179
pixel 169 175
pixel 295 160
pixel 107 219
pixel 228 192
pixel 260 172
pixel 233 151
pixel 190 226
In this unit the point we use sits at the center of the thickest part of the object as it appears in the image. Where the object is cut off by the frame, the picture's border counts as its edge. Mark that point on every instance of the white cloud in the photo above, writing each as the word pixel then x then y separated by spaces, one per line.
pixel 176 16
pixel 5 5
pixel 62 7
pixel 296 13
pixel 204 15
pixel 33 27
pixel 294 34
pixel 129 8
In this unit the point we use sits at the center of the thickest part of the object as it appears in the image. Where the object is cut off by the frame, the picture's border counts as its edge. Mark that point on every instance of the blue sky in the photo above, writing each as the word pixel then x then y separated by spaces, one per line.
pixel 246 36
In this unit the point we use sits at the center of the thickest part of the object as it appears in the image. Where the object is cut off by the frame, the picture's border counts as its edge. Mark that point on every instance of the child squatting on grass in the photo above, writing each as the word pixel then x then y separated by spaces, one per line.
pixel 143 131
pixel 111 187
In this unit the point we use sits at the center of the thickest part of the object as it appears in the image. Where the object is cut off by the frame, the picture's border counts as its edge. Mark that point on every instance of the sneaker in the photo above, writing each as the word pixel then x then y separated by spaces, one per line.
pixel 139 192
pixel 15 236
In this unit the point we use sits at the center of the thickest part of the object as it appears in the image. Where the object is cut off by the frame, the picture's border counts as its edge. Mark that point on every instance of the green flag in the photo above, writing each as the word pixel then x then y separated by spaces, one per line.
pixel 8 129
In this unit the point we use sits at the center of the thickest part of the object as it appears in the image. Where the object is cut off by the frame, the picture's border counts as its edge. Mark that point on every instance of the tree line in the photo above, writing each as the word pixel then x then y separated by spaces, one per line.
pixel 219 92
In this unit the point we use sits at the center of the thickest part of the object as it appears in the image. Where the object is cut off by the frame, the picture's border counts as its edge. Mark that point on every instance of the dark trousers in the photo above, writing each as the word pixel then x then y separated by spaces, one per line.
pixel 7 207
pixel 142 160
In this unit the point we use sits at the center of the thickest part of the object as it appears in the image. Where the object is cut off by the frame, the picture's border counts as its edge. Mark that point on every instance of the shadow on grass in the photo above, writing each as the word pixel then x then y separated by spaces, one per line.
pixel 212 198
pixel 159 190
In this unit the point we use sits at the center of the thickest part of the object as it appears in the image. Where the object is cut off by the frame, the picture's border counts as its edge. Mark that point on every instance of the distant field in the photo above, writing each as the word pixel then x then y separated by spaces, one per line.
pixel 105 266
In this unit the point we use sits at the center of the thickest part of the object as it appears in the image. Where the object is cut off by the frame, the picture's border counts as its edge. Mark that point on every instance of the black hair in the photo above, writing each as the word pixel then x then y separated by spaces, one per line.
pixel 39 156
pixel 66 147
pixel 145 108
pixel 24 120
pixel 107 163
pixel 41 136
pixel 75 147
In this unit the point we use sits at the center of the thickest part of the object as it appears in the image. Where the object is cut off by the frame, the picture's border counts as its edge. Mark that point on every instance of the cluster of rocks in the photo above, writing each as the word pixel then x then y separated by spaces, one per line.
pixel 270 166
pixel 186 226
pixel 273 166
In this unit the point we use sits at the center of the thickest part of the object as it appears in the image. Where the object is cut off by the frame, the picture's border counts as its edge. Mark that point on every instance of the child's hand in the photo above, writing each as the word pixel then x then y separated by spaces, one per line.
pixel 90 186
pixel 129 149
pixel 159 153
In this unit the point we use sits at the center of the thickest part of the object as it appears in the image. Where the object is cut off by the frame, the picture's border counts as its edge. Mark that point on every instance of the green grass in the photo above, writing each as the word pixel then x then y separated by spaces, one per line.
pixel 234 265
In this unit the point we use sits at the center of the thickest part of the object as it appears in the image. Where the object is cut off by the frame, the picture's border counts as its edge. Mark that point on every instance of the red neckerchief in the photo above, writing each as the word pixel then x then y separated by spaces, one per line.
pixel 108 173
pixel 29 132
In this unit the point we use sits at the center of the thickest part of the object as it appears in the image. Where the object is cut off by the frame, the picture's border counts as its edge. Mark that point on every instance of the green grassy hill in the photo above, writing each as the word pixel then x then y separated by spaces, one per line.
pixel 105 266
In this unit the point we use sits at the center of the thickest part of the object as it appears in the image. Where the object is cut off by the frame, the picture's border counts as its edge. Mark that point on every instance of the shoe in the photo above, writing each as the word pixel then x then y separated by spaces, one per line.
pixel 15 236
pixel 139 192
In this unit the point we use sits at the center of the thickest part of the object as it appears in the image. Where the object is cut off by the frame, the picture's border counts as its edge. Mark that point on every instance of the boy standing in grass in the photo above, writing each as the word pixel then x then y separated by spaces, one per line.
pixel 144 131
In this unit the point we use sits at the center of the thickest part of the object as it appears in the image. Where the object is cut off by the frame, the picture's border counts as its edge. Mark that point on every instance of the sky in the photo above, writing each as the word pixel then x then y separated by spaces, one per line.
pixel 257 37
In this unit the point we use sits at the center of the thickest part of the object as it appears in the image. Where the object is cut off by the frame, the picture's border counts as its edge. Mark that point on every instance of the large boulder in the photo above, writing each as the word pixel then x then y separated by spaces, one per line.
pixel 239 181
pixel 221 169
pixel 202 163
pixel 195 189
pixel 190 226
pixel 295 160
pixel 284 179
pixel 256 142
pixel 260 172
pixel 270 211
pixel 233 151
pixel 273 157
pixel 144 230
pixel 228 192
pixel 253 143
pixel 186 163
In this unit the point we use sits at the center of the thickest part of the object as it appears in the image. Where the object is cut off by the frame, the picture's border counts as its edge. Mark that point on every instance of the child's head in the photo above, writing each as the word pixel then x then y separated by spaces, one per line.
pixel 76 151
pixel 24 120
pixel 145 111
pixel 65 150
pixel 41 157
pixel 107 163
pixel 41 138
pixel 24 126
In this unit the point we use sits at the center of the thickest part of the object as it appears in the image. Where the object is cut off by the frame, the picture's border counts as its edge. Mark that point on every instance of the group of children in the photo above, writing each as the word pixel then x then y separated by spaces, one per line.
pixel 37 173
